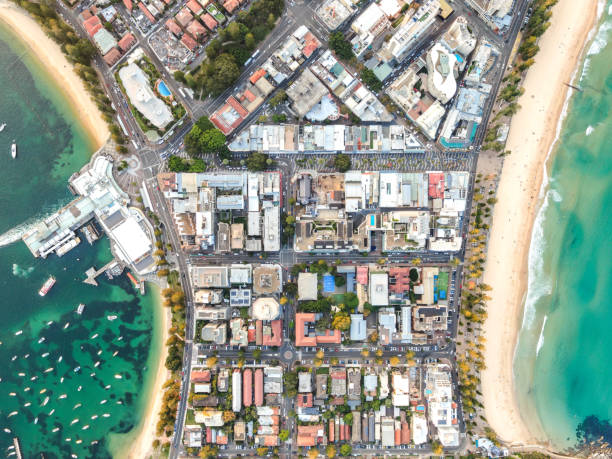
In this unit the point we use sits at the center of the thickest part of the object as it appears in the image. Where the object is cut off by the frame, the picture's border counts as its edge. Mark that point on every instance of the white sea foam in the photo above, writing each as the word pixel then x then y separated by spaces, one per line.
pixel 555 195
pixel 589 130
pixel 18 271
pixel 600 41
pixel 541 338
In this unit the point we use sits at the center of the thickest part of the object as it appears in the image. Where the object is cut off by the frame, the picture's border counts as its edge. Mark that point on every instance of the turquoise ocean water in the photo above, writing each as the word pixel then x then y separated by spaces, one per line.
pixel 563 362
pixel 96 410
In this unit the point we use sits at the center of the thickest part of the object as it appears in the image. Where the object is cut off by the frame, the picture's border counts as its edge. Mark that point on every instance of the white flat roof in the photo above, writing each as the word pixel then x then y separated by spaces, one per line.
pixel 132 239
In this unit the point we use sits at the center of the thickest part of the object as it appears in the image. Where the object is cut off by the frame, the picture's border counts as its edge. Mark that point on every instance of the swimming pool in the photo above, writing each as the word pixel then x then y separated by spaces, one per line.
pixel 163 89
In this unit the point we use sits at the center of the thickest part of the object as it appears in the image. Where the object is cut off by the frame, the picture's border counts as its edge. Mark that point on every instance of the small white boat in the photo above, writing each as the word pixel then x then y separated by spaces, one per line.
pixel 63 396
pixel 61 379
pixel 108 386
pixel 14 149
pixel 74 421
pixel 7 430
pixel 96 364
pixel 60 358
pixel 94 336
pixel 13 358
pixel 80 308
pixel 106 415
pixel 68 439
pixel 36 420
pixel 85 427
pixel 55 429
pixel 41 340
pixel 118 376
pixel 52 411
pixel 50 322
pixel 77 369
pixel 26 389
pixel 79 388
pixel 45 401
pixel 115 353
pixel 95 416
pixel 21 374
pixel 79 441
pixel 27 403
pixel 45 355
pixel 42 391
pixel 111 318
pixel 103 402
pixel 119 402
pixel 78 405
pixel 26 356
pixel 2 127
pixel 49 370
pixel 100 352
pixel 18 332
pixel 120 338
pixel 33 378
pixel 12 413
pixel 12 394
pixel 92 374
pixel 67 325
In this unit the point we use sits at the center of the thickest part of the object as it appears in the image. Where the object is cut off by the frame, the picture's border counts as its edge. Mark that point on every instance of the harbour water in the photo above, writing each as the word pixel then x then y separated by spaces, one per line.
pixel 563 361
pixel 93 411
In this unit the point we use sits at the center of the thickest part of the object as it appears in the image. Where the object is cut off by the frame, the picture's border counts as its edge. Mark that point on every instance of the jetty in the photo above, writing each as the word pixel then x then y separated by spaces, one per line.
pixel 17 448
pixel 92 272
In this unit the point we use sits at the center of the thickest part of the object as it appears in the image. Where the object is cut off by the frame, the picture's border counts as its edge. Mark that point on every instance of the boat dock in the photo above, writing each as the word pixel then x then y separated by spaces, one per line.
pixel 17 448
pixel 92 272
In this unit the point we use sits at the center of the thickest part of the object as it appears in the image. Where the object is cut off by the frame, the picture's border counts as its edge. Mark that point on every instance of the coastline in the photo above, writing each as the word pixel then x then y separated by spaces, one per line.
pixel 533 133
pixel 58 67
pixel 145 433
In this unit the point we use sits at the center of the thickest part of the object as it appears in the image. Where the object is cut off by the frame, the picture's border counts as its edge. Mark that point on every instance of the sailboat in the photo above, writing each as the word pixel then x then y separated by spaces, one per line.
pixel 2 127
pixel 14 150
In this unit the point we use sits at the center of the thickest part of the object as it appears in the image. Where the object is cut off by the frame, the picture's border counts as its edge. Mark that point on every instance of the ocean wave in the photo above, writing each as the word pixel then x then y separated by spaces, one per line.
pixel 555 195
pixel 541 338
pixel 600 41
pixel 589 130
pixel 538 283
pixel 22 272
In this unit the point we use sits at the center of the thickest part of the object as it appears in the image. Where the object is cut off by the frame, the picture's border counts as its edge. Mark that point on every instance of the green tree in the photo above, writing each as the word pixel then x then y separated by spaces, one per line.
pixel 256 161
pixel 342 162
pixel 340 45
pixel 180 76
pixel 346 450
pixel 177 164
pixel 371 80
pixel 283 435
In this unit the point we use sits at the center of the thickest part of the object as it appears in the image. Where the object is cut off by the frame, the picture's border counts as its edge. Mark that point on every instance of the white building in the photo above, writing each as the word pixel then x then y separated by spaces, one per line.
pixel 236 391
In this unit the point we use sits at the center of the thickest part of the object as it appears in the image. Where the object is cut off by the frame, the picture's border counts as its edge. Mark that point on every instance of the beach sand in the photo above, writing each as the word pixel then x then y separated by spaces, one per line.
pixel 532 133
pixel 142 443
pixel 51 56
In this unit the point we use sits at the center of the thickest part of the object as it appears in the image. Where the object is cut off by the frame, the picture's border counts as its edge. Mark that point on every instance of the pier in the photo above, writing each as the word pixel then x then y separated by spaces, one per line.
pixel 92 272
pixel 17 448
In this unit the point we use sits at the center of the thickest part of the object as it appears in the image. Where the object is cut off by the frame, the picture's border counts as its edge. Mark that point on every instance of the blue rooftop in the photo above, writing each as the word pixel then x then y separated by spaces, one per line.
pixel 328 283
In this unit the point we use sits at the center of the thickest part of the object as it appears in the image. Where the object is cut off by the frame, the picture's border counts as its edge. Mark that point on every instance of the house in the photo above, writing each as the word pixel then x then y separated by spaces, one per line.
pixel 306 335
pixel 189 43
pixel 112 57
pixel 196 30
pixel 195 7
pixel 379 289
pixel 304 382
pixel 230 5
pixel 311 435
pixel 173 27
pixel 358 329
pixel 126 42
pixel 183 17
pixel 338 381
pixel 209 22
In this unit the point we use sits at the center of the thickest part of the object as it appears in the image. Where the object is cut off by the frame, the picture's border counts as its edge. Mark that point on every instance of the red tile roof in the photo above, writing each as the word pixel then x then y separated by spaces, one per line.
pixel 405 433
pixel 399 280
pixel 146 12
pixel 91 25
pixel 196 29
pixel 275 339
pixel 270 440
pixel 209 21
pixel 304 400
pixel 257 74
pixel 259 387
pixel 251 335
pixel 200 376
pixel 85 15
pixel 362 275
pixel 112 57
pixel 221 438
pixel 436 185
pixel 236 106
pixel 230 5
pixel 195 7
pixel 126 42
pixel 247 387
pixel 173 27
pixel 189 42
pixel 332 431
pixel 330 337
pixel 183 17
pixel 309 435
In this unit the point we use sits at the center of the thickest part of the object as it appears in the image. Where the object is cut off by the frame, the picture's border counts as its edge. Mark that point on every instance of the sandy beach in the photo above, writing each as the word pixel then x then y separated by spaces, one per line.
pixel 531 137
pixel 51 56
pixel 146 431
